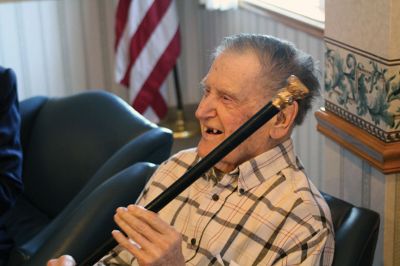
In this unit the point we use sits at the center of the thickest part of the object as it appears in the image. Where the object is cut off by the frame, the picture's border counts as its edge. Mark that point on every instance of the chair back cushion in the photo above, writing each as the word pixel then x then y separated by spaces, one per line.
pixel 69 140
pixel 356 232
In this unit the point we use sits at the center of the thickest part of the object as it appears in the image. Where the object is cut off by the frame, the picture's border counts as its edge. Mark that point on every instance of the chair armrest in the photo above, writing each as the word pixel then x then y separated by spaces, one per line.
pixel 91 222
pixel 29 110
pixel 152 146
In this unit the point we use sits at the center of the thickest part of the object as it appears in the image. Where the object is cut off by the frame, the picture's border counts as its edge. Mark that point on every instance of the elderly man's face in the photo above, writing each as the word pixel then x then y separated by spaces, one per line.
pixel 232 94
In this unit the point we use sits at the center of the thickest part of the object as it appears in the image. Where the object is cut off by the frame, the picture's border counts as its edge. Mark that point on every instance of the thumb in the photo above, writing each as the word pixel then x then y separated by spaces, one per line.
pixel 65 260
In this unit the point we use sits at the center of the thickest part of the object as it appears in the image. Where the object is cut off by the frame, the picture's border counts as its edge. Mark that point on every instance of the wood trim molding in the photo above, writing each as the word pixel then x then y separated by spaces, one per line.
pixel 296 23
pixel 383 156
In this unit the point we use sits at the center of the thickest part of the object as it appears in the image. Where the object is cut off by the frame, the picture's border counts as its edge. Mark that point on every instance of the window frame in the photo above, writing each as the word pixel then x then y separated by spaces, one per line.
pixel 285 15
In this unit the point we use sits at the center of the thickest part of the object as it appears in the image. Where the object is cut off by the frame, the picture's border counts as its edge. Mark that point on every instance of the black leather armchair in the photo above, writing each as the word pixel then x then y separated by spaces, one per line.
pixel 356 233
pixel 71 146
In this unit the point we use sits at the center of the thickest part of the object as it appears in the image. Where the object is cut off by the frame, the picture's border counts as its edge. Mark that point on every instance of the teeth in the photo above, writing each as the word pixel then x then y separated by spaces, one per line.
pixel 212 131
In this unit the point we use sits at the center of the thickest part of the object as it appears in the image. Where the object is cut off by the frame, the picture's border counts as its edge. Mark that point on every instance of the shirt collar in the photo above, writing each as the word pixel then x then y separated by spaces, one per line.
pixel 256 170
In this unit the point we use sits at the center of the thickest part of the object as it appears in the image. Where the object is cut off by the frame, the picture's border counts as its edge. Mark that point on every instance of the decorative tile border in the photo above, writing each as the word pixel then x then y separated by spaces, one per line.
pixel 363 124
pixel 363 89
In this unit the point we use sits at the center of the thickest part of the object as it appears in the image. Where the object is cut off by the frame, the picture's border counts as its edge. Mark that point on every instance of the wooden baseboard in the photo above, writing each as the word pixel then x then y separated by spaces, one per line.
pixel 383 156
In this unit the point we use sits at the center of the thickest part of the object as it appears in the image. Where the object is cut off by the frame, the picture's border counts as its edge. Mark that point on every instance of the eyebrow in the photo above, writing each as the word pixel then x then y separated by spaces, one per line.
pixel 232 95
pixel 202 86
pixel 220 91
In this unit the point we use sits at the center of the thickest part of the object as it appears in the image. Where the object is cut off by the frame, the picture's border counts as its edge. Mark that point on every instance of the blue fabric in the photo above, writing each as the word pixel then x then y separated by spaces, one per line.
pixel 10 150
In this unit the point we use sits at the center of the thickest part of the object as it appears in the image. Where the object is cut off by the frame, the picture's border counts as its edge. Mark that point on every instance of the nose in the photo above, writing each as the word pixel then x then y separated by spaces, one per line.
pixel 206 108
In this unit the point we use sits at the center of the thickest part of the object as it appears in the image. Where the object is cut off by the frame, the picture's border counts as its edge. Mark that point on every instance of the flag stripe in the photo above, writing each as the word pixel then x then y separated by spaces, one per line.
pixel 153 50
pixel 137 11
pixel 147 47
pixel 122 15
pixel 146 96
pixel 147 26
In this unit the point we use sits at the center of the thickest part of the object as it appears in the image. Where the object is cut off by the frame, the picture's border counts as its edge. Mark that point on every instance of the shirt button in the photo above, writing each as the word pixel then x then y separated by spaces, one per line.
pixel 241 191
pixel 193 241
pixel 215 197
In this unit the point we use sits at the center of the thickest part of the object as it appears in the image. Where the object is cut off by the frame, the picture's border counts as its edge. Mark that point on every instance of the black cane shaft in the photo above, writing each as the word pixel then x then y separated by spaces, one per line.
pixel 241 134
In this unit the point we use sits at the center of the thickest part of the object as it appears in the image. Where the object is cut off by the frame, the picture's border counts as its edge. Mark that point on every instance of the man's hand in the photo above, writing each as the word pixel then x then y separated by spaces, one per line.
pixel 65 260
pixel 154 241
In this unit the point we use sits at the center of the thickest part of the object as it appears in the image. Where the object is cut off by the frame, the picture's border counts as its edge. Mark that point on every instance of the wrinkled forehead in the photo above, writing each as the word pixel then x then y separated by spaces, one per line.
pixel 238 66
pixel 260 66
pixel 236 72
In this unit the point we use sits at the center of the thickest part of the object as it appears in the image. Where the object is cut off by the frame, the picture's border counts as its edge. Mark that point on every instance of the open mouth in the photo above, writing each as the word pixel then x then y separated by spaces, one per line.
pixel 212 131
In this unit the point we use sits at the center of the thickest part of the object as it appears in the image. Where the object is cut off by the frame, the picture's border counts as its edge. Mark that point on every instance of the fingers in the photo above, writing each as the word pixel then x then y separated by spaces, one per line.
pixel 142 241
pixel 149 217
pixel 65 260
pixel 128 244
pixel 149 238
pixel 134 228
pixel 137 219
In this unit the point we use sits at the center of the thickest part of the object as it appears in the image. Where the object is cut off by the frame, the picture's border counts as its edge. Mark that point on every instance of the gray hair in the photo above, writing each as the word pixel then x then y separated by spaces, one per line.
pixel 279 59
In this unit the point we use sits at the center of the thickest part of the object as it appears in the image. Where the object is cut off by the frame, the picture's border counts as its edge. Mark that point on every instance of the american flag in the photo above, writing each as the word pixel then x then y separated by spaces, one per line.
pixel 147 45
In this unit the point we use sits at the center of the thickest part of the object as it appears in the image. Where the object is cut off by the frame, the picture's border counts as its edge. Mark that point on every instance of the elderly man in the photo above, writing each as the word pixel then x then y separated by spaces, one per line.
pixel 256 206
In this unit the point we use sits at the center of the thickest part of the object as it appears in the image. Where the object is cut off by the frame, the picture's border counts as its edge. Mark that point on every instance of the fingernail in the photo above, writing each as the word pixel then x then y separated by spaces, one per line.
pixel 131 207
pixel 121 209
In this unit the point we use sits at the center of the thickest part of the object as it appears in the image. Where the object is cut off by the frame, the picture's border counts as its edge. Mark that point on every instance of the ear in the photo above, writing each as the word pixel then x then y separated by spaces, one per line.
pixel 284 121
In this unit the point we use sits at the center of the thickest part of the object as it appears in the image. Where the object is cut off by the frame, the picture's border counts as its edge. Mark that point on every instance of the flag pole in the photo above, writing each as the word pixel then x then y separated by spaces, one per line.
pixel 180 128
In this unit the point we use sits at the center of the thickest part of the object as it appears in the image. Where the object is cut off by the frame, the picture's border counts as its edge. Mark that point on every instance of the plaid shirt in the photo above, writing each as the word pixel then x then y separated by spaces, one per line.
pixel 265 212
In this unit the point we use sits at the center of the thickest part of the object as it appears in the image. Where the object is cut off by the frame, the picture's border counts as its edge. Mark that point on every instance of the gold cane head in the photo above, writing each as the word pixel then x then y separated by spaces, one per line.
pixel 294 90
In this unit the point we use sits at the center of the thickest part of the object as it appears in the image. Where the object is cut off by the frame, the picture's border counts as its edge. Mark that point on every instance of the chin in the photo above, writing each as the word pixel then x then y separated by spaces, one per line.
pixel 204 149
pixel 202 152
pixel 227 164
